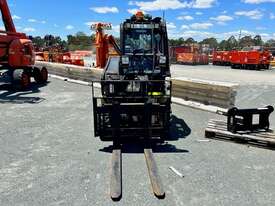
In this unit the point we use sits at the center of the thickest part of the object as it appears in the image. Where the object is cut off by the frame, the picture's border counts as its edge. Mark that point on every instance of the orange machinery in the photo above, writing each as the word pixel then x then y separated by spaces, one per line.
pixel 50 53
pixel 188 54
pixel 272 63
pixel 103 42
pixel 17 55
pixel 42 56
pixel 74 58
pixel 77 57
pixel 193 58
pixel 39 56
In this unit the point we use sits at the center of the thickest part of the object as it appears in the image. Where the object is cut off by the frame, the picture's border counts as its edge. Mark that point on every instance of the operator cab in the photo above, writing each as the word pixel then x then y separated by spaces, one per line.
pixel 144 57
pixel 144 47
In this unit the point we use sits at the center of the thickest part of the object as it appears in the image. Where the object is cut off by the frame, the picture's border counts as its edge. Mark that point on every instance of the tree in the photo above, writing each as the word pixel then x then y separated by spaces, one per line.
pixel 246 41
pixel 223 45
pixel 181 41
pixel 228 44
pixel 270 43
pixel 176 42
pixel 80 41
pixel 38 42
pixel 48 41
pixel 190 41
pixel 232 43
pixel 258 40
pixel 212 42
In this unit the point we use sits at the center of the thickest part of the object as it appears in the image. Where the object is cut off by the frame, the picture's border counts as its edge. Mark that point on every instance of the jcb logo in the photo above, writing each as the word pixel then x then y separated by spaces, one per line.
pixel 105 26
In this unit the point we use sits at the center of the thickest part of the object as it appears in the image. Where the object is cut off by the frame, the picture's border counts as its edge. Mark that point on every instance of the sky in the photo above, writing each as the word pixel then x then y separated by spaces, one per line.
pixel 185 18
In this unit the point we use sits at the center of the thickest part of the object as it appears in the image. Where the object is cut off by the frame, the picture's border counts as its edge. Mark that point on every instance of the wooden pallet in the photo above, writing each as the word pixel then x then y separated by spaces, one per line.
pixel 217 129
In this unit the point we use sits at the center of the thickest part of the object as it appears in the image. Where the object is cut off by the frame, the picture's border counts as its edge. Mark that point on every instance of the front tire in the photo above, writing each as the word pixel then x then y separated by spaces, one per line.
pixel 40 75
pixel 44 74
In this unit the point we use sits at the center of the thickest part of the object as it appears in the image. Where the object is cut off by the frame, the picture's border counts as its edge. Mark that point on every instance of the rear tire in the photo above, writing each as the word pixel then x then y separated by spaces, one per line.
pixel 21 80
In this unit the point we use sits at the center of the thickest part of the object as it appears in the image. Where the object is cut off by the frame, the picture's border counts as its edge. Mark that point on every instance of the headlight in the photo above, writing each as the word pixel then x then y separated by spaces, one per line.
pixel 168 86
pixel 125 60
pixel 133 86
pixel 162 59
pixel 111 89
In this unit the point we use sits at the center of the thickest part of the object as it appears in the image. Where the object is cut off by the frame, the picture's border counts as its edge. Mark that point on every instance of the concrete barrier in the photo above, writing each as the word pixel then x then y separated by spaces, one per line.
pixel 71 71
pixel 220 94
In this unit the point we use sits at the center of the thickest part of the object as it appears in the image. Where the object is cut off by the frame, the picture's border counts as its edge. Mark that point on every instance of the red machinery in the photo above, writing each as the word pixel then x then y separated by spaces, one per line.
pixel 17 55
pixel 228 58
pixel 251 59
pixel 102 43
pixel 222 58
pixel 217 57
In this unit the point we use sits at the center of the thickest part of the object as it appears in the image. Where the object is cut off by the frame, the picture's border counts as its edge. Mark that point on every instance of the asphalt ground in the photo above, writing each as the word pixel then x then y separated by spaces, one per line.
pixel 226 74
pixel 49 156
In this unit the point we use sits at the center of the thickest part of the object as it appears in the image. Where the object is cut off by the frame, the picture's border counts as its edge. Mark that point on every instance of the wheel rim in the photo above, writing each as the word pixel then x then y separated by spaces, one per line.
pixel 44 74
pixel 25 80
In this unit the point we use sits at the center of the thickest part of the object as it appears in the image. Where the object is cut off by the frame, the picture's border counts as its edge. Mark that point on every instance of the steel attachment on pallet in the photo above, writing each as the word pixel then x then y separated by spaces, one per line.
pixel 217 129
pixel 248 119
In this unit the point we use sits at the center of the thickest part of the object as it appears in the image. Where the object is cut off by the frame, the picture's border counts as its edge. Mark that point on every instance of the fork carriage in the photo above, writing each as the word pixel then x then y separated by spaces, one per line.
pixel 131 110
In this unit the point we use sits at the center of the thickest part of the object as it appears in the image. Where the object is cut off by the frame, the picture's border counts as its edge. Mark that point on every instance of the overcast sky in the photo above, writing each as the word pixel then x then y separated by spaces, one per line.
pixel 186 18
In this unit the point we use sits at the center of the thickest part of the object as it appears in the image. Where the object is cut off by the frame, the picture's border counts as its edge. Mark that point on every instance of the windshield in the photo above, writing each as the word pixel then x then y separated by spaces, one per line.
pixel 138 41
